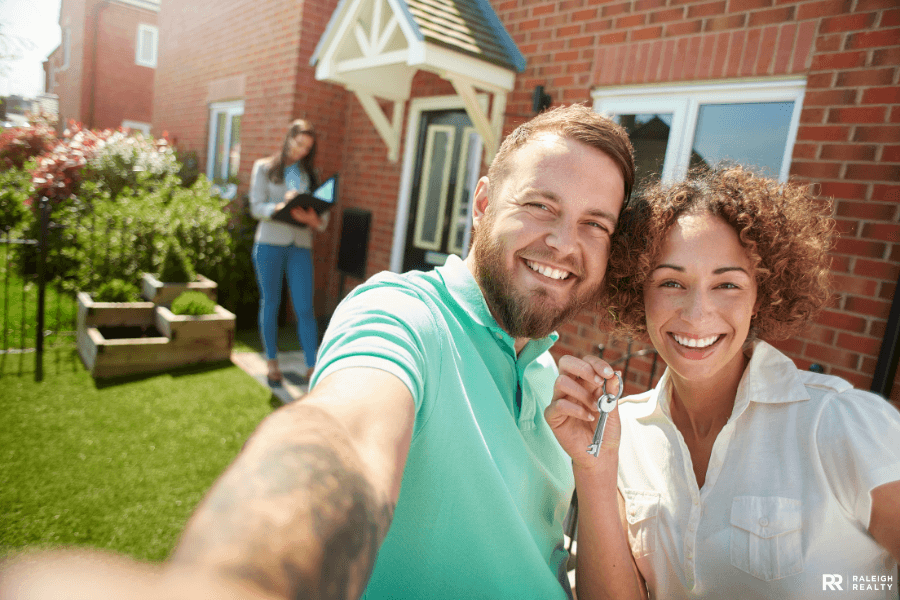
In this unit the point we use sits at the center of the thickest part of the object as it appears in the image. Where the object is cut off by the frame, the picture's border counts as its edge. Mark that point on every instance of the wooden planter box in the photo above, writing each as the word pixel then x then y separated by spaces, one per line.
pixel 109 357
pixel 183 340
pixel 205 338
pixel 163 293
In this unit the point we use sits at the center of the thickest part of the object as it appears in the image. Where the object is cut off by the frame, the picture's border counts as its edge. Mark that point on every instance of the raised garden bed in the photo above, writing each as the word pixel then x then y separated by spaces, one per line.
pixel 159 340
pixel 160 292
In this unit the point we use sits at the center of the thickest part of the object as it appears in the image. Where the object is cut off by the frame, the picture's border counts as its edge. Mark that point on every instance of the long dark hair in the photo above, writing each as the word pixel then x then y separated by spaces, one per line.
pixel 278 162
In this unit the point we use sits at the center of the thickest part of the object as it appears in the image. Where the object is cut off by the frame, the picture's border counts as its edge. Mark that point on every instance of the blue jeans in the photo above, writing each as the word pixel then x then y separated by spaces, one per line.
pixel 271 264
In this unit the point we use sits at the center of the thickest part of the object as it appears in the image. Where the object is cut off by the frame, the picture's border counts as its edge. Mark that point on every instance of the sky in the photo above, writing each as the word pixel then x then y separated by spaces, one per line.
pixel 31 29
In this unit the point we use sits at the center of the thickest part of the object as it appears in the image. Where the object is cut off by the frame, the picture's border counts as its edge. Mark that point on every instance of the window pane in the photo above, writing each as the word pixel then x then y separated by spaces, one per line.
pixel 753 134
pixel 144 46
pixel 221 149
pixel 649 135
pixel 234 155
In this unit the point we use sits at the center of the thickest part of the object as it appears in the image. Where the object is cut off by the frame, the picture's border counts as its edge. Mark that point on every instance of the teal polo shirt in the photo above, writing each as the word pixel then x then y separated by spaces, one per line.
pixel 486 486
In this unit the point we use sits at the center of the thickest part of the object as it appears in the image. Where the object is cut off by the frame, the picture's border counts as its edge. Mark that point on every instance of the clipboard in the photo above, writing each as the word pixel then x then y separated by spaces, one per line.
pixel 321 199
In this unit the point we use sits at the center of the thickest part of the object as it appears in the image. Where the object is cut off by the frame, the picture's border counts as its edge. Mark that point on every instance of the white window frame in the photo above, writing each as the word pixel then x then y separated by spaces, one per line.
pixel 146 32
pixel 683 103
pixel 66 47
pixel 230 109
pixel 144 128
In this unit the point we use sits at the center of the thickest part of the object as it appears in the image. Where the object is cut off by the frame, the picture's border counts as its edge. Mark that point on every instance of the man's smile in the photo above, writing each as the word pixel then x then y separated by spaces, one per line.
pixel 547 270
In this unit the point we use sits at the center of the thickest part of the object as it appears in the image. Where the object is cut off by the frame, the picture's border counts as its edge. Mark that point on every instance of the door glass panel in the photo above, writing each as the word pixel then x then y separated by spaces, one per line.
pixel 433 191
pixel 751 134
pixel 649 135
pixel 468 168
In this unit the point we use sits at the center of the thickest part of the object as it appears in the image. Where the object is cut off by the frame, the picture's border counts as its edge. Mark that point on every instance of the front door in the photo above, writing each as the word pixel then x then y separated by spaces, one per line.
pixel 446 171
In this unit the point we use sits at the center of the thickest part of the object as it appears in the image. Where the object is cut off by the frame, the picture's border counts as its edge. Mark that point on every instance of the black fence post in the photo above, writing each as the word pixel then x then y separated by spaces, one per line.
pixel 43 242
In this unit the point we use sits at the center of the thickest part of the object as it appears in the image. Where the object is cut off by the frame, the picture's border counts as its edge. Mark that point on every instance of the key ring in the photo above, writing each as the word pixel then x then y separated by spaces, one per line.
pixel 607 401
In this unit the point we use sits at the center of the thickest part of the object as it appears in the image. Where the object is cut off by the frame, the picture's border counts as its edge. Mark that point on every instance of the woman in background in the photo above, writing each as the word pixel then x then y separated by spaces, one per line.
pixel 739 475
pixel 280 248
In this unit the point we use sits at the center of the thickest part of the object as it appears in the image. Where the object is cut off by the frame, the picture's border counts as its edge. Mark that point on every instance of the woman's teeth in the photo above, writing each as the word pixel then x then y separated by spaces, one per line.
pixel 695 343
pixel 547 271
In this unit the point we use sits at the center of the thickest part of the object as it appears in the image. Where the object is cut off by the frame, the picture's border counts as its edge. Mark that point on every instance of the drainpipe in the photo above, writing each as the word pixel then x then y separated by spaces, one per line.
pixel 886 368
pixel 97 8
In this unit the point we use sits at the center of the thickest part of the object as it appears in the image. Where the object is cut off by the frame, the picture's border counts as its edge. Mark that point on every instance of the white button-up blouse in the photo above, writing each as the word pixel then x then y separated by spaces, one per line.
pixel 785 507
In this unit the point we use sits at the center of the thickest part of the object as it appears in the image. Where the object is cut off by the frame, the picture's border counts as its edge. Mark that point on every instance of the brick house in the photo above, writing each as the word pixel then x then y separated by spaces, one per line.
pixel 104 67
pixel 409 92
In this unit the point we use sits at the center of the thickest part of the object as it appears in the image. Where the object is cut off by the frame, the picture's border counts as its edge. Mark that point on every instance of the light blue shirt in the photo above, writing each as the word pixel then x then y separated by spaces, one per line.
pixel 486 486
pixel 295 179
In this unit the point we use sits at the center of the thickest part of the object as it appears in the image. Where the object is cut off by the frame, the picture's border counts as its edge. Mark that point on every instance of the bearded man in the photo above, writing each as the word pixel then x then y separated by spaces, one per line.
pixel 435 380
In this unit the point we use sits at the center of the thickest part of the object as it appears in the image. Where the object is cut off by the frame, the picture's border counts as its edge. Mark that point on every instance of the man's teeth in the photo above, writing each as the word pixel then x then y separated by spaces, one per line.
pixel 547 271
pixel 695 343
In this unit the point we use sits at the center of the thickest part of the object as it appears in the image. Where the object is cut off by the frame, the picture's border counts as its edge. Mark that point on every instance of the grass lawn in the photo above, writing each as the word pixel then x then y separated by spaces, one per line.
pixel 118 466
pixel 18 307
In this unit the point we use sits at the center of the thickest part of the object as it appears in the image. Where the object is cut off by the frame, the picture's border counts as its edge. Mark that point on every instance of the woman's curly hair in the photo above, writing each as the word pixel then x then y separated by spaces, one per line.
pixel 786 231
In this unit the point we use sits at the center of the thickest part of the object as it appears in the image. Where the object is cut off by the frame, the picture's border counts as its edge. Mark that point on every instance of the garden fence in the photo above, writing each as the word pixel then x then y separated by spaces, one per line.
pixel 38 281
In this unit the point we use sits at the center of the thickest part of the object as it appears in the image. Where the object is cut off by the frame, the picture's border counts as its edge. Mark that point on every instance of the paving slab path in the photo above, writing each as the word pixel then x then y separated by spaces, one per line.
pixel 294 386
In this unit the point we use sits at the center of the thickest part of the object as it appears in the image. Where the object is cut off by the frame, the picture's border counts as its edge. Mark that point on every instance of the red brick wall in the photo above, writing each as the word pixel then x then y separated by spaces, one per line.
pixel 69 81
pixel 204 41
pixel 121 89
pixel 265 45
pixel 848 143
pixel 326 106
pixel 124 89
pixel 371 182
pixel 257 52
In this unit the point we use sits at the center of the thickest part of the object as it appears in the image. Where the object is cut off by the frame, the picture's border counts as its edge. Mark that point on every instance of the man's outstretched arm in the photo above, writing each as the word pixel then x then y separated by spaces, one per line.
pixel 300 513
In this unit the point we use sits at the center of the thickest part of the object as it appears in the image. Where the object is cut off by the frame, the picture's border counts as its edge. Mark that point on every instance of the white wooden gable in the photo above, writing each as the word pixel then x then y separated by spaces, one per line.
pixel 373 48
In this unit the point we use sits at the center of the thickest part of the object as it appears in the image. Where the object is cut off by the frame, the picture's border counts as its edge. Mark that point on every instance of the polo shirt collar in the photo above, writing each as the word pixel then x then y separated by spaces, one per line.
pixel 770 378
pixel 465 291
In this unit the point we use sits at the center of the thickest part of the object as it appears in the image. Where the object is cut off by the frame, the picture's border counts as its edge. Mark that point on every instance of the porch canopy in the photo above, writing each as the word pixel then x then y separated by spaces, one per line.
pixel 374 48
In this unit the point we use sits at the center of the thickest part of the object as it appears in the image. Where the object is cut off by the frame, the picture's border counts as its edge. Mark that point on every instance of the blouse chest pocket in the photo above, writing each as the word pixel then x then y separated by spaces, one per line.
pixel 641 512
pixel 766 539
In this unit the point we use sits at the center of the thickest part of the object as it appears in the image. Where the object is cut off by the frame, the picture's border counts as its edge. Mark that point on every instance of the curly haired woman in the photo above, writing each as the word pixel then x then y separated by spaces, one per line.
pixel 738 476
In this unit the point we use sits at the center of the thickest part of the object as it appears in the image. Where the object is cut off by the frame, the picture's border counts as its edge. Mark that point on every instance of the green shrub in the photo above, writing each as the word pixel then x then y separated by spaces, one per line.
pixel 189 169
pixel 193 303
pixel 129 160
pixel 117 290
pixel 176 266
pixel 15 191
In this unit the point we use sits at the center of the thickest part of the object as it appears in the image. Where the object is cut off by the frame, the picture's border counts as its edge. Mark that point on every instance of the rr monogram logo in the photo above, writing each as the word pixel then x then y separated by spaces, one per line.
pixel 832 582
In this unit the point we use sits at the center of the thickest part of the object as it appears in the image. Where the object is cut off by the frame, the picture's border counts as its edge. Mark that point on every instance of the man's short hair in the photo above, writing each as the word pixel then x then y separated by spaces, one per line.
pixel 575 122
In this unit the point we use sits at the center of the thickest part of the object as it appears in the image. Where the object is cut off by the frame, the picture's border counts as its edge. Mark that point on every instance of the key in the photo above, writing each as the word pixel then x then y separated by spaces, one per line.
pixel 605 403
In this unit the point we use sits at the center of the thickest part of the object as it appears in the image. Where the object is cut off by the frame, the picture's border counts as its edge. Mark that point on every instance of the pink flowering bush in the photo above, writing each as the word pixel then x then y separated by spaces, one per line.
pixel 58 173
pixel 20 144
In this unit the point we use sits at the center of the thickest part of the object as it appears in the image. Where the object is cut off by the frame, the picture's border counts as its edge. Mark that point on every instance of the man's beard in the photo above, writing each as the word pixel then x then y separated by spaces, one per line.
pixel 521 313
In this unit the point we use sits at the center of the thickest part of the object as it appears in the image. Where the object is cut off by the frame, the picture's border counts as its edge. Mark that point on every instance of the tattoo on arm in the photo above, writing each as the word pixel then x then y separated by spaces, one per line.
pixel 296 518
